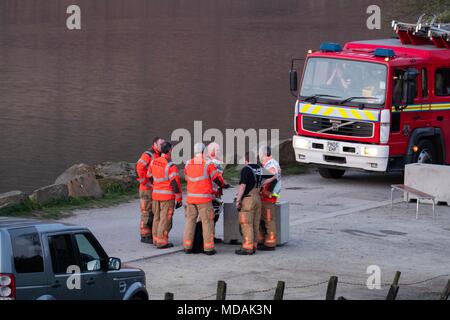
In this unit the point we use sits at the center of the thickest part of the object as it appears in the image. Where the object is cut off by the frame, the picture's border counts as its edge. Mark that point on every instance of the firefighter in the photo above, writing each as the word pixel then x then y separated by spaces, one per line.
pixel 145 189
pixel 214 154
pixel 248 203
pixel 270 192
pixel 200 175
pixel 166 190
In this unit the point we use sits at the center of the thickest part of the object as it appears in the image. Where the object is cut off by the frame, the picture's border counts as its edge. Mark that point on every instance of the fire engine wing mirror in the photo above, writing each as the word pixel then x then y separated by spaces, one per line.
pixel 293 80
pixel 410 86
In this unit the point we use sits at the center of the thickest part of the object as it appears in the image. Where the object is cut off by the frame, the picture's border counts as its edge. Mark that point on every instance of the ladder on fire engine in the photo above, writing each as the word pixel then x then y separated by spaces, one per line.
pixel 425 31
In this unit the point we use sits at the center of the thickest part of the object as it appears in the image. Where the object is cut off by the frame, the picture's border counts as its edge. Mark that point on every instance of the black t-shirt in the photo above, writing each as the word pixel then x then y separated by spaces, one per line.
pixel 248 177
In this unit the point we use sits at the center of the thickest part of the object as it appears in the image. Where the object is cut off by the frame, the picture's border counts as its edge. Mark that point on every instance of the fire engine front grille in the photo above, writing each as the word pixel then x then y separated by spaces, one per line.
pixel 338 127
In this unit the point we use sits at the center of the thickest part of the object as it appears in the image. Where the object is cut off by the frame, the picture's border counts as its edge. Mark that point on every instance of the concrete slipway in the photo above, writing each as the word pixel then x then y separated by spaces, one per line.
pixel 337 227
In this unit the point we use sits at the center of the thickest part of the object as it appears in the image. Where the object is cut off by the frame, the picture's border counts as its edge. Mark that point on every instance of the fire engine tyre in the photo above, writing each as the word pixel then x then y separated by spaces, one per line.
pixel 426 152
pixel 331 173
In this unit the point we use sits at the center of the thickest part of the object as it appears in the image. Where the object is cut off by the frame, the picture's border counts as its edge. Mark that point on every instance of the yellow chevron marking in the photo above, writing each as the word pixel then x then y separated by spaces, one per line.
pixel 316 110
pixel 343 113
pixel 356 114
pixel 305 108
pixel 369 115
pixel 328 111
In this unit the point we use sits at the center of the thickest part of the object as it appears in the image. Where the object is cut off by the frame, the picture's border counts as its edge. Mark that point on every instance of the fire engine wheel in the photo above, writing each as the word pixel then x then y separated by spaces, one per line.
pixel 425 154
pixel 331 173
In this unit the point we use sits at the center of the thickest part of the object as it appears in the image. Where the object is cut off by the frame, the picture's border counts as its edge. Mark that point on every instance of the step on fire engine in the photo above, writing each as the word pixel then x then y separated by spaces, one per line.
pixel 376 105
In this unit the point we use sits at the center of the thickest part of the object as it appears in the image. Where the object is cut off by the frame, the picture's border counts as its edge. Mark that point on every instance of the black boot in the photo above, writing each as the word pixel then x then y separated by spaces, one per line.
pixel 148 240
pixel 169 245
pixel 217 240
pixel 243 252
pixel 188 251
pixel 210 253
pixel 265 248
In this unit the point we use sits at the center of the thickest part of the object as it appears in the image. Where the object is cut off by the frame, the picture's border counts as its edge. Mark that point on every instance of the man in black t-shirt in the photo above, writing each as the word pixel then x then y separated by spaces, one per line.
pixel 248 203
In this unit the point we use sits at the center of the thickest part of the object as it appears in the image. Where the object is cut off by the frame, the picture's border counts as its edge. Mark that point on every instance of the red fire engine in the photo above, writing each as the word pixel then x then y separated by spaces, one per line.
pixel 375 105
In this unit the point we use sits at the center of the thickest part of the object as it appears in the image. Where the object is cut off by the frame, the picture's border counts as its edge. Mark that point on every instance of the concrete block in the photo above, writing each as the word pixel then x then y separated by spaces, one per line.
pixel 231 232
pixel 429 178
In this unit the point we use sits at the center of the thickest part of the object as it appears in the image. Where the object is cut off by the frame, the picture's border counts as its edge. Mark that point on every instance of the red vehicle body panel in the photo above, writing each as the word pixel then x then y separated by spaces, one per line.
pixel 430 111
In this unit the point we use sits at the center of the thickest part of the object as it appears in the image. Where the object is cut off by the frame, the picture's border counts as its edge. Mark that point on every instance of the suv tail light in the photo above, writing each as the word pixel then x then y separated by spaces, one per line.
pixel 7 287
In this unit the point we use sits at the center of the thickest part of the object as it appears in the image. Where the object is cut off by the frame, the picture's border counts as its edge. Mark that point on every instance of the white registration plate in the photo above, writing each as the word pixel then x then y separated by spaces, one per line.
pixel 333 146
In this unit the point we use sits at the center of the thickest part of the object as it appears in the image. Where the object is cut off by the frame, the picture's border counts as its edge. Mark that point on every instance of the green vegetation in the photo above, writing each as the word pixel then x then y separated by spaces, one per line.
pixel 114 195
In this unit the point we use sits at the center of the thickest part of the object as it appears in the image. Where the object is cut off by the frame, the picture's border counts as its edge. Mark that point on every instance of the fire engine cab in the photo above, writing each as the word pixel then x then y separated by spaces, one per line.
pixel 375 105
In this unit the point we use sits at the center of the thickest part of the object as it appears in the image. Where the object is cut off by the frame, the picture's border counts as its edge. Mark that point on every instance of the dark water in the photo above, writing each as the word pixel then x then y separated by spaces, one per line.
pixel 140 68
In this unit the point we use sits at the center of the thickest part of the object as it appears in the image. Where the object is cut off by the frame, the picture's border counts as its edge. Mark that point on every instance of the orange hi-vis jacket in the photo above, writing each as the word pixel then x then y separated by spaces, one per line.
pixel 163 171
pixel 142 167
pixel 199 174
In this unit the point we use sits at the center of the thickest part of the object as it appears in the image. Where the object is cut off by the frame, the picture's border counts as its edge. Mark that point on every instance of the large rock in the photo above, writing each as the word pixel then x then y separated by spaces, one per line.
pixel 73 172
pixel 114 182
pixel 287 155
pixel 11 198
pixel 50 193
pixel 85 185
pixel 114 169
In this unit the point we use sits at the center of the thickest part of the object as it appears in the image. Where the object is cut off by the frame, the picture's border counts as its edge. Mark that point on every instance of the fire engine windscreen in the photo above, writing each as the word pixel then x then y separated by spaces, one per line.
pixel 337 80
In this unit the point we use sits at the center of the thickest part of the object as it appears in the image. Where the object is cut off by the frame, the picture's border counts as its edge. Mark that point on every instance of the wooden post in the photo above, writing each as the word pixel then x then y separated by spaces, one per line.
pixel 279 292
pixel 168 296
pixel 446 293
pixel 392 294
pixel 331 289
pixel 393 290
pixel 396 278
pixel 221 290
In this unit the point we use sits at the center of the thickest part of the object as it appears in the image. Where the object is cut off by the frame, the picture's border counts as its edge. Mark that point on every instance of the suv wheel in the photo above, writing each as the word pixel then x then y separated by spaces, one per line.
pixel 331 173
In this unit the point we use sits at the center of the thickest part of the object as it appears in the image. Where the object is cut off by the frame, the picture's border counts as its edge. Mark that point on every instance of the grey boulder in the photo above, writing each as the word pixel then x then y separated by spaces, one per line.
pixel 50 193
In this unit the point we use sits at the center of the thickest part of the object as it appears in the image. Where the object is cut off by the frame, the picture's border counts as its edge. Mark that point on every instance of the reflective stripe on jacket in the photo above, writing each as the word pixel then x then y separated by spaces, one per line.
pixel 142 168
pixel 199 174
pixel 163 173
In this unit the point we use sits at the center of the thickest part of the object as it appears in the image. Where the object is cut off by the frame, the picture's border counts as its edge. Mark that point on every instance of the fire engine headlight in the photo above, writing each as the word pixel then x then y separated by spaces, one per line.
pixel 370 151
pixel 300 143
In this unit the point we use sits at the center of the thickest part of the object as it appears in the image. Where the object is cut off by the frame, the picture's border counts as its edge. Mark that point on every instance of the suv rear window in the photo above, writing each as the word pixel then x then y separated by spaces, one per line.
pixel 27 250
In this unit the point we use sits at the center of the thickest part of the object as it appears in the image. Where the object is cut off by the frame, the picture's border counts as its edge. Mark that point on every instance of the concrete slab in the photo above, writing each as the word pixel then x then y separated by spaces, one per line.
pixel 429 178
pixel 337 228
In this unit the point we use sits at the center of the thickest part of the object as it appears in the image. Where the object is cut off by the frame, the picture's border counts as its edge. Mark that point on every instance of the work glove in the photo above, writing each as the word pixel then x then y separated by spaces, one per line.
pixel 179 204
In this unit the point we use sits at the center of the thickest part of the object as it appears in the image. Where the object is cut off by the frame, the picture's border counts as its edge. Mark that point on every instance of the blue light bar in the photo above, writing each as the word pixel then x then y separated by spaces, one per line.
pixel 330 47
pixel 384 53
